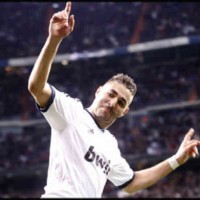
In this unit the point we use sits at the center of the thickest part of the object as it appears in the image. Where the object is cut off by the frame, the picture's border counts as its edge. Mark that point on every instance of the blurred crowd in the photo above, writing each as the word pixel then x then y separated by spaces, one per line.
pixel 146 134
pixel 98 24
pixel 102 25
pixel 181 184
pixel 150 134
pixel 165 84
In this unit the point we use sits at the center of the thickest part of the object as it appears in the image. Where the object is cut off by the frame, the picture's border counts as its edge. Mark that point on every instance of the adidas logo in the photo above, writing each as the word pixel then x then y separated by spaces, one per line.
pixel 91 131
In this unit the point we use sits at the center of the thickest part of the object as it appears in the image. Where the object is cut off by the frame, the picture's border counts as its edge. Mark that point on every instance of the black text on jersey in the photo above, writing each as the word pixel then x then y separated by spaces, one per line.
pixel 92 156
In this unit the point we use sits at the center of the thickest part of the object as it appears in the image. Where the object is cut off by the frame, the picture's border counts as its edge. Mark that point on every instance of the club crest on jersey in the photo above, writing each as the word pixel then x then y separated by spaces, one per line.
pixel 92 156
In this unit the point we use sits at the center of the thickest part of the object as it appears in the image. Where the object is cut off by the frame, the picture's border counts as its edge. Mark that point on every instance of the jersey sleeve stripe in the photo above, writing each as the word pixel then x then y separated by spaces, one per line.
pixel 127 183
pixel 48 103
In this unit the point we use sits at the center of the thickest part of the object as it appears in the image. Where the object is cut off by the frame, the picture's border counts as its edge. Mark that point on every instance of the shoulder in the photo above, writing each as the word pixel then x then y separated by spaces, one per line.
pixel 65 97
pixel 65 104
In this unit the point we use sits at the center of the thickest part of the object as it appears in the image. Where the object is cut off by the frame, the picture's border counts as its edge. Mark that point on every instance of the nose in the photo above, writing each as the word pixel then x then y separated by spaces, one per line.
pixel 112 102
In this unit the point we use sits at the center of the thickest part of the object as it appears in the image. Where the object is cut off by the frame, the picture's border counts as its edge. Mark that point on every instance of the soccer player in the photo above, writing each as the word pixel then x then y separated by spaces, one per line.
pixel 83 153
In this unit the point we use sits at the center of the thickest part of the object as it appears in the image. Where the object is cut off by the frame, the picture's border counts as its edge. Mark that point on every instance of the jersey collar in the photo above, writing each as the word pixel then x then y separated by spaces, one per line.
pixel 103 130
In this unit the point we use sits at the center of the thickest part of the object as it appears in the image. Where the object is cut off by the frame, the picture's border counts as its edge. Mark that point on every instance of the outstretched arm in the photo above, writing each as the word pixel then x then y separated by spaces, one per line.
pixel 147 177
pixel 61 25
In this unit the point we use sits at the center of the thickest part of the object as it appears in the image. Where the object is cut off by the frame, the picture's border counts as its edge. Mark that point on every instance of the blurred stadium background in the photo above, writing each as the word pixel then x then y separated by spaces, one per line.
pixel 155 43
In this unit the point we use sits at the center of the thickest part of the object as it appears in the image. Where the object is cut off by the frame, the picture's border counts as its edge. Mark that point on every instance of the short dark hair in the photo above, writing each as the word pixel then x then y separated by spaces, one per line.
pixel 126 80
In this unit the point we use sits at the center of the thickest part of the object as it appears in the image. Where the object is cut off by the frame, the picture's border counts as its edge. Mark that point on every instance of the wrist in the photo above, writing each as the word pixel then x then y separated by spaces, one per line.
pixel 53 40
pixel 173 162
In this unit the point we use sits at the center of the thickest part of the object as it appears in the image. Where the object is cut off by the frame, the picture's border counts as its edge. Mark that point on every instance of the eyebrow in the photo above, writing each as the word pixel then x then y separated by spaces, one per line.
pixel 124 100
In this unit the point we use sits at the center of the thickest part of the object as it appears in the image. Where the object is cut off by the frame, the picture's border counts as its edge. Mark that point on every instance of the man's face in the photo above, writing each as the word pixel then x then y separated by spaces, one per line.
pixel 112 101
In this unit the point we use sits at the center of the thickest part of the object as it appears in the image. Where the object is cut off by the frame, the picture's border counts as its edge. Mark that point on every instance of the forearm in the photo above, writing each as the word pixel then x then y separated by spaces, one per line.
pixel 40 73
pixel 150 176
pixel 147 177
pixel 60 26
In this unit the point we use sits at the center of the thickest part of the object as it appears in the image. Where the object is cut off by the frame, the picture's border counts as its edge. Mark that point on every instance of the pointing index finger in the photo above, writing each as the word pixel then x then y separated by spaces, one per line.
pixel 68 7
pixel 189 135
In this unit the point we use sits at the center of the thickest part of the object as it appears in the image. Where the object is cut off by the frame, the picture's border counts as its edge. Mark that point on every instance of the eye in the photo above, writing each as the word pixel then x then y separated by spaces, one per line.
pixel 110 94
pixel 121 103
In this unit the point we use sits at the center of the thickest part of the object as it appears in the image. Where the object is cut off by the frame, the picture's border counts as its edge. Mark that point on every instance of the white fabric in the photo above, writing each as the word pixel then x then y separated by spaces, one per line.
pixel 82 156
pixel 173 162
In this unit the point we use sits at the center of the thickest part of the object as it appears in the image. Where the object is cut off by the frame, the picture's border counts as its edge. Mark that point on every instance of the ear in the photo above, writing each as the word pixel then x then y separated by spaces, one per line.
pixel 125 112
pixel 98 90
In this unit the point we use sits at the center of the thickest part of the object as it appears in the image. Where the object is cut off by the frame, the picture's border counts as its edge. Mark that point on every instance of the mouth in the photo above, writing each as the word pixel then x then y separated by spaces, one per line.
pixel 107 109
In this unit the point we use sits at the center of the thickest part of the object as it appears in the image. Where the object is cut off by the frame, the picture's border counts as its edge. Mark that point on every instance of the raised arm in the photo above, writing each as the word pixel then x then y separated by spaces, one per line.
pixel 61 25
pixel 147 177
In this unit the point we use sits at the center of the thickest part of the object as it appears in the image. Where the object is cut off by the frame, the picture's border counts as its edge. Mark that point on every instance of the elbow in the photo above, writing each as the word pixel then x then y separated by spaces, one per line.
pixel 135 185
pixel 129 190
pixel 32 87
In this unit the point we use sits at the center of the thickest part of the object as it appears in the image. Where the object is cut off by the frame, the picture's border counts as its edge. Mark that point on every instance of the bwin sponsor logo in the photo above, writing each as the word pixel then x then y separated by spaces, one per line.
pixel 91 156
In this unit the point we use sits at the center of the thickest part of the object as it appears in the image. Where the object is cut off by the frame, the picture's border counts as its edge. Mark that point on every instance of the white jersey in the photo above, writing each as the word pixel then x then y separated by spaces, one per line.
pixel 82 156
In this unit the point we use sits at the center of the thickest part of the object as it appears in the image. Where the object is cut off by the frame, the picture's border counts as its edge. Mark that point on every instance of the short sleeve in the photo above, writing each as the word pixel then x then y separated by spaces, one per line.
pixel 121 173
pixel 60 109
